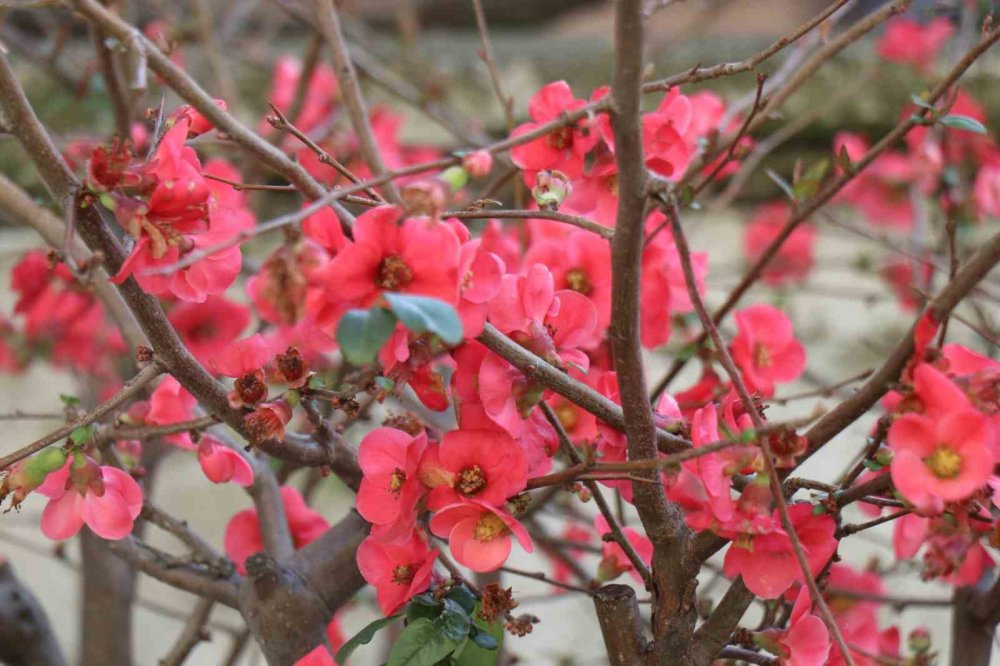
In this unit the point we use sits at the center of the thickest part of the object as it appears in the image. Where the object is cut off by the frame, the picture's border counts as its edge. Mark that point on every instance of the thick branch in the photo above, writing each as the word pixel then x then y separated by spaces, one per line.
pixel 621 625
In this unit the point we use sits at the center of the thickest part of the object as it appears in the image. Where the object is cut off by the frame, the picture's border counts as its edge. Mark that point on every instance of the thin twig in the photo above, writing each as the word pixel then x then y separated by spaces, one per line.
pixel 131 389
pixel 741 390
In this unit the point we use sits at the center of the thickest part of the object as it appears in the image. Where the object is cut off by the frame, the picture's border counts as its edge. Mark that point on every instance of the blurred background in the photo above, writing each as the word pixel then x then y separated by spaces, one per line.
pixel 426 50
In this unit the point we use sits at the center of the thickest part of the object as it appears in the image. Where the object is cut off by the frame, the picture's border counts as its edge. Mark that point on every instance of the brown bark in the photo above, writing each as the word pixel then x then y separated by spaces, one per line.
pixel 108 587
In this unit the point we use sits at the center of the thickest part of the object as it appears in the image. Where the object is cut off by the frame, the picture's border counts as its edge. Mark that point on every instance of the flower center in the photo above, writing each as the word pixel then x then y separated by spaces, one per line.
pixel 945 463
pixel 393 273
pixel 402 574
pixel 761 356
pixel 567 416
pixel 489 527
pixel 561 138
pixel 578 282
pixel 396 481
pixel 470 480
pixel 612 184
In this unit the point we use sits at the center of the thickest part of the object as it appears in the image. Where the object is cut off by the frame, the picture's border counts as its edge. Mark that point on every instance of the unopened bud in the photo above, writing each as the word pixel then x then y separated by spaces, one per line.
pixel 551 189
pixel 478 163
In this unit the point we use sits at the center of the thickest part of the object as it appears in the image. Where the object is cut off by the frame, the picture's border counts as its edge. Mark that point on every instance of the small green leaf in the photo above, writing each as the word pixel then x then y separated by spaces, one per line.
pixel 873 465
pixel 82 435
pixel 963 123
pixel 920 101
pixel 480 649
pixel 107 201
pixel 423 606
pixel 69 400
pixel 781 182
pixel 485 641
pixel 464 596
pixel 361 333
pixel 844 160
pixel 454 621
pixel 818 510
pixel 817 171
pixel 385 384
pixel 363 637
pixel 421 314
pixel 421 644
pixel 316 382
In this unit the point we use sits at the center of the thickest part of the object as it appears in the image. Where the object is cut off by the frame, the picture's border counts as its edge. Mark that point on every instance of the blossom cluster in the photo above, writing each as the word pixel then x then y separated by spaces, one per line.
pixel 454 476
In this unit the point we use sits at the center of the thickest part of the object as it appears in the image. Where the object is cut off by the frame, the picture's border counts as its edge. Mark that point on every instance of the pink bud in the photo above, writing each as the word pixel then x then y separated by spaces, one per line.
pixel 478 163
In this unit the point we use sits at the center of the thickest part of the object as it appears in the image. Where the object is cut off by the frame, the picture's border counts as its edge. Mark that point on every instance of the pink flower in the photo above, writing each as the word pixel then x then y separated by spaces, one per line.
pixel 171 403
pixel 480 274
pixel 486 465
pixel 479 535
pixel 765 350
pixel 417 257
pixel 614 561
pixel 561 149
pixel 398 571
pixel 104 498
pixel 907 41
pixel 794 259
pixel 806 641
pixel 391 486
pixel 318 656
pixel 209 327
pixel 243 356
pixel 986 190
pixel 243 538
pixel 943 459
pixel 580 262
pixel 766 561
pixel 221 464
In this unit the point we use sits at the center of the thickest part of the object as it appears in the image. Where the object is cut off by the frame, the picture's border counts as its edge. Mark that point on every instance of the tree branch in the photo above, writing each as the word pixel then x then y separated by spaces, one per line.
pixel 329 27
pixel 621 625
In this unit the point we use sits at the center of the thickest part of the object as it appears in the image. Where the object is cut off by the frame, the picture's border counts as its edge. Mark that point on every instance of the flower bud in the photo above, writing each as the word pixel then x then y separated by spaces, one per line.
pixel 455 177
pixel 608 569
pixel 919 640
pixel 551 189
pixel 478 163
pixel 425 197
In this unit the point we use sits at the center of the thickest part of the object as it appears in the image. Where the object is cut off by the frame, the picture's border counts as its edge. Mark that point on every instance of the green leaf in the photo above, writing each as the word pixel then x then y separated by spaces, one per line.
pixel 872 465
pixel 421 314
pixel 423 605
pixel 454 621
pixel 781 182
pixel 385 384
pixel 69 400
pixel 920 101
pixel 421 644
pixel 361 333
pixel 82 435
pixel 363 637
pixel 464 596
pixel 844 160
pixel 480 649
pixel 964 123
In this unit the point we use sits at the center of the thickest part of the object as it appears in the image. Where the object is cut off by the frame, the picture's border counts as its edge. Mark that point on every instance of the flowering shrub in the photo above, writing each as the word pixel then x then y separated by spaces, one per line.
pixel 494 359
